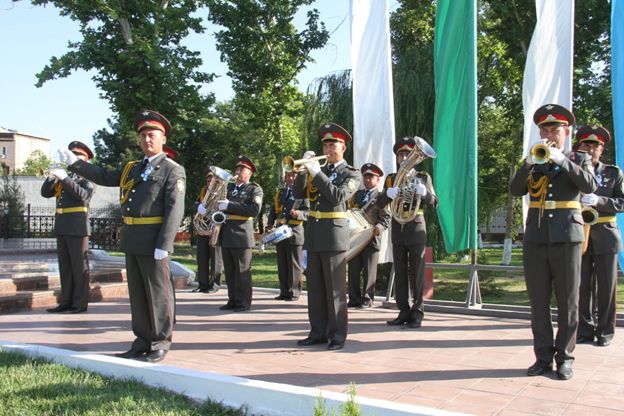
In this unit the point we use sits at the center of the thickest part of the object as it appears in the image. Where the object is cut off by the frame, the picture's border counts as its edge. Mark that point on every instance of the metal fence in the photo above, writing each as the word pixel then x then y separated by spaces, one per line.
pixel 106 224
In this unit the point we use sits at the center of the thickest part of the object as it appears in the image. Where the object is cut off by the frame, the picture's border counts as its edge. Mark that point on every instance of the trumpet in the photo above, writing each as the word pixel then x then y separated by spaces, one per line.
pixel 590 217
pixel 44 173
pixel 291 165
pixel 540 152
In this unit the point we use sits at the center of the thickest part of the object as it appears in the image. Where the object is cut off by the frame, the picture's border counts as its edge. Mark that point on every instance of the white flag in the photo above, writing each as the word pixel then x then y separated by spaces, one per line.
pixel 549 66
pixel 373 99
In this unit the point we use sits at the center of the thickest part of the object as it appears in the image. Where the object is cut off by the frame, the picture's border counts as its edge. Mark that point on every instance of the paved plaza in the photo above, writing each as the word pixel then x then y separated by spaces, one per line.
pixel 459 363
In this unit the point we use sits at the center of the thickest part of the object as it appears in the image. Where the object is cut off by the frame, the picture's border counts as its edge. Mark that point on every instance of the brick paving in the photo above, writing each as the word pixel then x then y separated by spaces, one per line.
pixel 462 363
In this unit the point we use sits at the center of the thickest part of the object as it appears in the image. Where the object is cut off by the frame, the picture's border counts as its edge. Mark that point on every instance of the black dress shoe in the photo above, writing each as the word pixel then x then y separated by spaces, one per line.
pixel 58 309
pixel 353 304
pixel 584 339
pixel 416 323
pixel 603 341
pixel 198 289
pixel 539 368
pixel 227 307
pixel 131 353
pixel 398 321
pixel 75 310
pixel 280 297
pixel 241 308
pixel 367 303
pixel 156 356
pixel 564 371
pixel 336 345
pixel 213 289
pixel 292 299
pixel 310 341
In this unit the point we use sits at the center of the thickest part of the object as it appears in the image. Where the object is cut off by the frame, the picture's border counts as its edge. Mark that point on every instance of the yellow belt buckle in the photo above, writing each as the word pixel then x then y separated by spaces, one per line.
pixel 550 204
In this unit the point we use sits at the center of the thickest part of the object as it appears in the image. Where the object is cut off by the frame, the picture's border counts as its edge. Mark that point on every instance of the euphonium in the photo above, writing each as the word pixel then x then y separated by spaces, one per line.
pixel 590 217
pixel 540 152
pixel 44 173
pixel 289 164
pixel 210 223
pixel 404 208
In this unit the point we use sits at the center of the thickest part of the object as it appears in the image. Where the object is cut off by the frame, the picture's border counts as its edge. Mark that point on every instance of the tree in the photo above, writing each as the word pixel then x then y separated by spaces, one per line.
pixel 12 196
pixel 135 49
pixel 264 53
pixel 36 160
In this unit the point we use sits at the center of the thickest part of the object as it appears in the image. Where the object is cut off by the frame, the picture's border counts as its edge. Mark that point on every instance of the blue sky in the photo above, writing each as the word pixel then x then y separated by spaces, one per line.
pixel 70 109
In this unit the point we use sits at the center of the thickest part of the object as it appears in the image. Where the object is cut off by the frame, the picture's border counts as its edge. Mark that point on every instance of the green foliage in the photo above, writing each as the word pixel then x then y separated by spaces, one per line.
pixel 12 196
pixel 139 63
pixel 36 160
pixel 348 408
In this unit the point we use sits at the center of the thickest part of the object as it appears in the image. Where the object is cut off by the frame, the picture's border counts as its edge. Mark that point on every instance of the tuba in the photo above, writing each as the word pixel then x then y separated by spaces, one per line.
pixel 405 206
pixel 210 223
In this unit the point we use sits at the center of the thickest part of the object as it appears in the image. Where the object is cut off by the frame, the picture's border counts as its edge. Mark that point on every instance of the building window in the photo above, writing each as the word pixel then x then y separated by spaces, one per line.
pixel 4 152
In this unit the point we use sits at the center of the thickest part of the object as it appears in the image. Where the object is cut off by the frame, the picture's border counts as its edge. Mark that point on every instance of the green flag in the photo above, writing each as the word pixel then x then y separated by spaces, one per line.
pixel 455 122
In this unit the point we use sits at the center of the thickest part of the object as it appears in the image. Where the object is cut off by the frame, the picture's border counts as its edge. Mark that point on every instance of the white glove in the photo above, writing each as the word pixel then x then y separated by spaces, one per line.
pixel 223 204
pixel 67 156
pixel 201 209
pixel 589 200
pixel 313 167
pixel 59 173
pixel 309 154
pixel 421 190
pixel 160 254
pixel 392 192
pixel 556 155
pixel 529 160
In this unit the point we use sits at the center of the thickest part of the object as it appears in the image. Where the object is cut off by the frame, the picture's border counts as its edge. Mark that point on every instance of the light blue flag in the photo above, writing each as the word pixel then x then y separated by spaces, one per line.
pixel 617 85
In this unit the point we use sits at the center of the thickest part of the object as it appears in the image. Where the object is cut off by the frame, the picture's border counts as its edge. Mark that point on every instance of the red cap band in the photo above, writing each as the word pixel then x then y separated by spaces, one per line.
pixel 82 152
pixel 553 118
pixel 334 136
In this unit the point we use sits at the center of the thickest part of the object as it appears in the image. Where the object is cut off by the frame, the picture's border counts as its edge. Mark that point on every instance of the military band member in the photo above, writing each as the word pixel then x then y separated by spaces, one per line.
pixel 599 261
pixel 329 190
pixel 552 238
pixel 152 202
pixel 366 261
pixel 71 228
pixel 286 210
pixel 236 238
pixel 408 241
pixel 209 260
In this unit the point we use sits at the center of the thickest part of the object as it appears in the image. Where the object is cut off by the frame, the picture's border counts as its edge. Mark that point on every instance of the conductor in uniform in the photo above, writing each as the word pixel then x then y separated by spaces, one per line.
pixel 236 237
pixel 329 189
pixel 366 260
pixel 552 237
pixel 71 228
pixel 409 240
pixel 291 212
pixel 209 260
pixel 600 259
pixel 152 202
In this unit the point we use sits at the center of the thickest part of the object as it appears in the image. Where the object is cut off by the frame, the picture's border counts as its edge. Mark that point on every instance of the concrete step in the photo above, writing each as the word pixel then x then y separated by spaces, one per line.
pixel 11 284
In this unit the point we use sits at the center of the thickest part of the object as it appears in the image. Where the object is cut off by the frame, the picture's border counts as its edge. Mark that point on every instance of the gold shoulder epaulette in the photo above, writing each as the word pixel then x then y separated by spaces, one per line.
pixel 352 168
pixel 172 161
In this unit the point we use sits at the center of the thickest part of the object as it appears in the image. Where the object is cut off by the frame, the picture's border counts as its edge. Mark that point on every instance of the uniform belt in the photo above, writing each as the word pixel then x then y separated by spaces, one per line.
pixel 328 215
pixel 556 204
pixel 602 220
pixel 72 209
pixel 290 222
pixel 143 220
pixel 239 217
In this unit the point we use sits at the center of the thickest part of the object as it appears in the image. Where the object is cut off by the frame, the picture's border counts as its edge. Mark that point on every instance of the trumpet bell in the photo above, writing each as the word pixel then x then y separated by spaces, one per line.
pixel 540 153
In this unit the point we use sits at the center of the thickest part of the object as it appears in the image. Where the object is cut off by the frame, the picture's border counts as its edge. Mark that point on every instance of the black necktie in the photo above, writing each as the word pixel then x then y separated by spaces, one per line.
pixel 144 164
pixel 330 167
pixel 366 195
pixel 288 194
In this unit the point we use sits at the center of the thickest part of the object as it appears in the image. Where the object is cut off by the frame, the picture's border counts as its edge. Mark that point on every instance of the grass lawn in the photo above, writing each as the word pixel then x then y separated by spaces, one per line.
pixel 505 288
pixel 37 387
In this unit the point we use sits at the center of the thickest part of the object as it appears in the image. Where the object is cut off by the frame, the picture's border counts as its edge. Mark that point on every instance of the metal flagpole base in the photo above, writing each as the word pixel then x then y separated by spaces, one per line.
pixel 473 297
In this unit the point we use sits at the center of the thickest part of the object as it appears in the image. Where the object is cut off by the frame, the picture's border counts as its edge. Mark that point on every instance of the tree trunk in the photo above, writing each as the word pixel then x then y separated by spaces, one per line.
pixel 509 221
